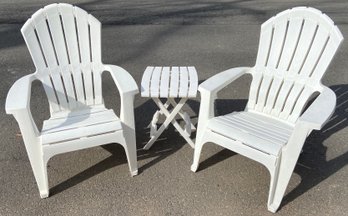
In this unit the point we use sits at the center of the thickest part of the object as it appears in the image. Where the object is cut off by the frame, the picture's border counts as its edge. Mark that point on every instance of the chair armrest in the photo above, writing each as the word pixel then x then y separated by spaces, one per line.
pixel 213 85
pixel 222 79
pixel 18 98
pixel 123 80
pixel 320 111
pixel 127 88
pixel 18 104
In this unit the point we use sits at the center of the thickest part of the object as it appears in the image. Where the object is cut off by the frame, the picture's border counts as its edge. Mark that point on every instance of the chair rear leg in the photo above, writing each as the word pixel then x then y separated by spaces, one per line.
pixel 287 163
pixel 272 188
pixel 279 182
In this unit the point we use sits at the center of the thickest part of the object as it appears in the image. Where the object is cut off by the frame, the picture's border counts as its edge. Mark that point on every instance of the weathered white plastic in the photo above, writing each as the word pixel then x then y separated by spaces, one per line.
pixel 170 83
pixel 295 49
pixel 64 42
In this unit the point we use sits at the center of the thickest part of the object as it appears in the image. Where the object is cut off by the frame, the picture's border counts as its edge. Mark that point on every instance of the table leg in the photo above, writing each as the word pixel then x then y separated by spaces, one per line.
pixel 173 121
pixel 165 124
pixel 181 113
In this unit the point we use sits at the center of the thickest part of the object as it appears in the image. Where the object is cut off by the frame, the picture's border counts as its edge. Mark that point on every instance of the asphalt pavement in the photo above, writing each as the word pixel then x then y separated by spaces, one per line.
pixel 212 36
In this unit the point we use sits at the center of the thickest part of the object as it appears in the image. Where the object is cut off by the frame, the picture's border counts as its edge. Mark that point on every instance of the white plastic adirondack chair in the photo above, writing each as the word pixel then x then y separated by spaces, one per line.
pixel 295 49
pixel 65 45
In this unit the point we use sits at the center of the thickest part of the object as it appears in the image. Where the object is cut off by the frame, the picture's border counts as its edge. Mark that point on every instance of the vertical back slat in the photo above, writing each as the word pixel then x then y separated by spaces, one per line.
pixel 291 42
pixel 95 46
pixel 273 93
pixel 301 103
pixel 44 35
pixel 40 63
pixel 280 30
pixel 95 26
pixel 291 100
pixel 265 45
pixel 266 37
pixel 81 17
pixel 304 44
pixel 282 97
pixel 33 44
pixel 68 19
pixel 318 45
pixel 264 90
pixel 254 89
pixel 326 58
pixel 58 37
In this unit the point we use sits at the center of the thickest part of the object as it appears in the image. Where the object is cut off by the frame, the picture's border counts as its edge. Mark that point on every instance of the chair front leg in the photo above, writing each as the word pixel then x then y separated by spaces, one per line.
pixel 37 159
pixel 131 151
pixel 127 118
pixel 206 112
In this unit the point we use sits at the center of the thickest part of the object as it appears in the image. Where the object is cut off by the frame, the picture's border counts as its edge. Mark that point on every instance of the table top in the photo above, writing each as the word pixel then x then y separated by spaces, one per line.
pixel 169 82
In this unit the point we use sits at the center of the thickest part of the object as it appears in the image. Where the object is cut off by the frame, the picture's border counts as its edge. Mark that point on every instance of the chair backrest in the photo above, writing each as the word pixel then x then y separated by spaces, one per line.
pixel 65 45
pixel 295 49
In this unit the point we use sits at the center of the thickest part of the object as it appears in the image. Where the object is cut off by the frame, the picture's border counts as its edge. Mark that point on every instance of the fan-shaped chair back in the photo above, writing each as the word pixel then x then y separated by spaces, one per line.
pixel 65 45
pixel 295 49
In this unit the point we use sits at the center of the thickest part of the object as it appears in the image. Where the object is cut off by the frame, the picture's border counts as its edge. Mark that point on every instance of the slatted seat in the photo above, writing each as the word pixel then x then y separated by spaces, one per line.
pixel 62 129
pixel 296 47
pixel 254 130
pixel 65 44
pixel 170 83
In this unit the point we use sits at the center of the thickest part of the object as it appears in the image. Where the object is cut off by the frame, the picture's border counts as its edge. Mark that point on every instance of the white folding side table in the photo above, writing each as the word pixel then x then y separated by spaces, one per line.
pixel 170 83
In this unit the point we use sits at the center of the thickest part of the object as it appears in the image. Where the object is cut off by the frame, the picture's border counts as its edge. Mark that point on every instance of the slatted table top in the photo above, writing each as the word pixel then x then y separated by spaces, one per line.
pixel 169 82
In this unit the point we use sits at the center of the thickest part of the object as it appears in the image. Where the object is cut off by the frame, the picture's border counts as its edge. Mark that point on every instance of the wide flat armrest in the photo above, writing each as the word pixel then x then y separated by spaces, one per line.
pixel 222 79
pixel 320 111
pixel 18 98
pixel 127 88
pixel 124 81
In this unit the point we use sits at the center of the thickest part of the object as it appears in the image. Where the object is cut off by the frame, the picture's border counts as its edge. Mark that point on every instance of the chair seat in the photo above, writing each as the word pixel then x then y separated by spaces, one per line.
pixel 95 122
pixel 256 131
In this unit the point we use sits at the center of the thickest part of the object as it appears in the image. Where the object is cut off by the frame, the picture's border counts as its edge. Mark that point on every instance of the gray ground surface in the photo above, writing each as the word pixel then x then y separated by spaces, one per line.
pixel 213 36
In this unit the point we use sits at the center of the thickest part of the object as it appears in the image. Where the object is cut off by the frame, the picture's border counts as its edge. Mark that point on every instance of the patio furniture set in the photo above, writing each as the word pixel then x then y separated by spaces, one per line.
pixel 295 49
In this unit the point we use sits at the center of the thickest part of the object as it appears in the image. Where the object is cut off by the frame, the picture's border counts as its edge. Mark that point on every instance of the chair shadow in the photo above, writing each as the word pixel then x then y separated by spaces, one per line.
pixel 312 165
pixel 167 144
pixel 118 157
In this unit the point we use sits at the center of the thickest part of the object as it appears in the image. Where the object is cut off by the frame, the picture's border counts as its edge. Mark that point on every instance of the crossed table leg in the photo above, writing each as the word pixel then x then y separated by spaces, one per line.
pixel 170 118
